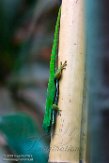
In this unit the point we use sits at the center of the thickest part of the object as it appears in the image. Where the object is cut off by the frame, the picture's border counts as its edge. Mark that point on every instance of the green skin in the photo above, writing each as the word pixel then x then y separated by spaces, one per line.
pixel 53 75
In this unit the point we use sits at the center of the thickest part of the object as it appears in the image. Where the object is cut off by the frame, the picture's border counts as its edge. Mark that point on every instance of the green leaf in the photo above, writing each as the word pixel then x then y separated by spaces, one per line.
pixel 23 137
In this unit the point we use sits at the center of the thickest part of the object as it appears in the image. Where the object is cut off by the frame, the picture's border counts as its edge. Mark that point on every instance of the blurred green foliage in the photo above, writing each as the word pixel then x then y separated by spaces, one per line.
pixel 23 137
pixel 22 31
pixel 26 34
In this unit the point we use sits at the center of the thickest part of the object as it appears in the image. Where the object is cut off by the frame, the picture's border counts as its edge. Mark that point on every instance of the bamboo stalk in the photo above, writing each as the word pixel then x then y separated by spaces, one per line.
pixel 65 144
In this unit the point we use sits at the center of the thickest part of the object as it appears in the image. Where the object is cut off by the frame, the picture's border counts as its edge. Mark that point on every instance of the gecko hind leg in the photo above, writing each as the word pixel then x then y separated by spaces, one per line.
pixel 55 111
pixel 55 107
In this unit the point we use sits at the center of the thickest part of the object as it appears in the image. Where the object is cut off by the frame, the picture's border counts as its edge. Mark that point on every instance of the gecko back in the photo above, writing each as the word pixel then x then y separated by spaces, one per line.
pixel 51 84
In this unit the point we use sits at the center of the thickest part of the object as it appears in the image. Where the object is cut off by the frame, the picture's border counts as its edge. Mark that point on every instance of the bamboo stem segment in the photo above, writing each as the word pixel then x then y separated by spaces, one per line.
pixel 65 144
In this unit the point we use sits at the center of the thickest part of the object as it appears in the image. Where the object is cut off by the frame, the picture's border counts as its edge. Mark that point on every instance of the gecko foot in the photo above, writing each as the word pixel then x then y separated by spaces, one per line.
pixel 55 107
pixel 59 112
pixel 63 66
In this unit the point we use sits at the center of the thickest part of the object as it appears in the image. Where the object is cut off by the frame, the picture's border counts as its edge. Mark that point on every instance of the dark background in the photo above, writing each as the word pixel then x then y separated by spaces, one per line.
pixel 26 35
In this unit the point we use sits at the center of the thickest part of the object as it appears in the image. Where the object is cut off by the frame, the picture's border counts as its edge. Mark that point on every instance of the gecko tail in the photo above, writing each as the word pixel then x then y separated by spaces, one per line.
pixel 49 126
pixel 46 128
pixel 47 120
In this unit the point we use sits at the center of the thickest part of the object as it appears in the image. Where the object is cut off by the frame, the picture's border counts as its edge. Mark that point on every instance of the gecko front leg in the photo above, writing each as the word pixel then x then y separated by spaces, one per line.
pixel 58 73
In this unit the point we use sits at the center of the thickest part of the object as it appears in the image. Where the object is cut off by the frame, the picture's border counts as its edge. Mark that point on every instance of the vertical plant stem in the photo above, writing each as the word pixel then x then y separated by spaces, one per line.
pixel 65 144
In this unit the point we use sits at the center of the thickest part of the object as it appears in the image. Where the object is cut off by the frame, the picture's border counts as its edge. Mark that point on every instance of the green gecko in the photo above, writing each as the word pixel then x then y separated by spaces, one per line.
pixel 51 108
